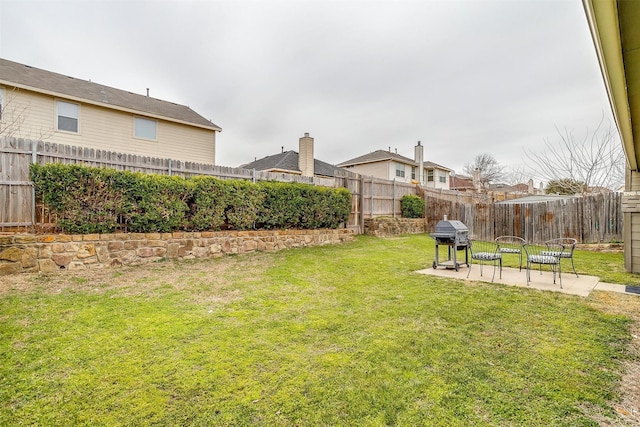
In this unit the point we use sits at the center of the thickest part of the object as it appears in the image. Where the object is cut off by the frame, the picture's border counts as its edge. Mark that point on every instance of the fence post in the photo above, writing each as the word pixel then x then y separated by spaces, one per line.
pixel 34 160
pixel 393 197
pixel 371 197
pixel 169 167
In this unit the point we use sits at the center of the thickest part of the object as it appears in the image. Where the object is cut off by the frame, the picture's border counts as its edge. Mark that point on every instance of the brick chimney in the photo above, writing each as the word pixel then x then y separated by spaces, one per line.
pixel 419 158
pixel 305 155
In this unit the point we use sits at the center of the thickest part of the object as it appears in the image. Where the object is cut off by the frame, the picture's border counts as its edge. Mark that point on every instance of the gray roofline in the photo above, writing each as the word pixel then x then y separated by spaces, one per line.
pixel 26 77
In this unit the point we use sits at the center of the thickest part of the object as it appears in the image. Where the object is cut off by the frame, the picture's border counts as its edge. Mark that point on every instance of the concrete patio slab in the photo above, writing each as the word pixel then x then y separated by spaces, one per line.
pixel 571 284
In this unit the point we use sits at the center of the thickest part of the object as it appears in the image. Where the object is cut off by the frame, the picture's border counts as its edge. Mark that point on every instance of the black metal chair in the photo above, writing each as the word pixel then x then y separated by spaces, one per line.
pixel 511 245
pixel 568 245
pixel 544 254
pixel 484 251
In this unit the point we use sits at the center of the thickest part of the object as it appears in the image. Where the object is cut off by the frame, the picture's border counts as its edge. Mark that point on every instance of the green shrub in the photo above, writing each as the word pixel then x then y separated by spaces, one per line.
pixel 244 200
pixel 412 206
pixel 161 203
pixel 100 200
pixel 84 200
pixel 303 206
pixel 208 204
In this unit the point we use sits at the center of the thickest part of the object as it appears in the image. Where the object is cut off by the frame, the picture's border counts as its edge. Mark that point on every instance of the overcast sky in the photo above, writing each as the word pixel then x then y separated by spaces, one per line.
pixel 464 77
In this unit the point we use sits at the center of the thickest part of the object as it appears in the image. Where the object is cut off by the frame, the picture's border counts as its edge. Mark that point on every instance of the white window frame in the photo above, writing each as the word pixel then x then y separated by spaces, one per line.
pixel 442 179
pixel 60 103
pixel 140 133
pixel 400 170
pixel 413 172
pixel 430 175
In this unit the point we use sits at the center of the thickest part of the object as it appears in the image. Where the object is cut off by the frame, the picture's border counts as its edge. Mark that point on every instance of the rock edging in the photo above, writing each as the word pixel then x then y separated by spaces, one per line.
pixel 54 252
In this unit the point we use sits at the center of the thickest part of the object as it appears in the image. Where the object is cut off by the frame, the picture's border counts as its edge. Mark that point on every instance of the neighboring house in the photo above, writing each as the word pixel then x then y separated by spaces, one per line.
pixel 462 183
pixel 392 166
pixel 302 163
pixel 43 105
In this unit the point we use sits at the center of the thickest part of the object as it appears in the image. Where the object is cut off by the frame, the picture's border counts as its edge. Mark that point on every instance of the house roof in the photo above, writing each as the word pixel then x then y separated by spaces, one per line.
pixel 383 155
pixel 431 165
pixel 34 79
pixel 288 161
pixel 461 182
pixel 536 199
pixel 614 29
pixel 378 156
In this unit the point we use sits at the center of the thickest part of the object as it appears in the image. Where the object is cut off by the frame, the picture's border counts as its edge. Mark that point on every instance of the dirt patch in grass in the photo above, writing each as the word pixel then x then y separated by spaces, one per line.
pixel 205 280
pixel 628 408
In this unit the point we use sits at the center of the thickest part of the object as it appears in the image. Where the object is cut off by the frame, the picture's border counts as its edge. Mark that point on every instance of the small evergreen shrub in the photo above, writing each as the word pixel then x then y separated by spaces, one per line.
pixel 412 206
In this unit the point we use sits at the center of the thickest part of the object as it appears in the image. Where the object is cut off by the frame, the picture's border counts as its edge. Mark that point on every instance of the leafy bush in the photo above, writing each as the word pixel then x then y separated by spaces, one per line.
pixel 412 206
pixel 95 200
pixel 303 206
pixel 85 200
pixel 244 200
pixel 161 203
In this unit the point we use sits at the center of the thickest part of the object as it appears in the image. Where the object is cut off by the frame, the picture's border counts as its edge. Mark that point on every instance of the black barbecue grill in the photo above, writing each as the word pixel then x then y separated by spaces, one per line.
pixel 455 235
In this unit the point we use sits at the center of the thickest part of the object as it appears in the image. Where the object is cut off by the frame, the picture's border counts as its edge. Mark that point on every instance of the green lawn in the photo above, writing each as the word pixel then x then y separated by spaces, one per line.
pixel 335 335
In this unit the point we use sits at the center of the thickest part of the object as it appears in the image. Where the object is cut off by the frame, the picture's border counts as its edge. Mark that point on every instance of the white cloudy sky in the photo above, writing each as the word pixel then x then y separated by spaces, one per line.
pixel 464 77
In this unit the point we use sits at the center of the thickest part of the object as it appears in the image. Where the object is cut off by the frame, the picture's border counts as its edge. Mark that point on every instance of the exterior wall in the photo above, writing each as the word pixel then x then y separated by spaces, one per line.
pixel 106 129
pixel 407 172
pixel 377 169
pixel 54 252
pixel 437 173
pixel 631 214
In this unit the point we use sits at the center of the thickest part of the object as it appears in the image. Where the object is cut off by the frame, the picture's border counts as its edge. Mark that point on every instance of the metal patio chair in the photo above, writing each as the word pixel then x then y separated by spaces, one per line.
pixel 544 254
pixel 568 245
pixel 511 245
pixel 483 252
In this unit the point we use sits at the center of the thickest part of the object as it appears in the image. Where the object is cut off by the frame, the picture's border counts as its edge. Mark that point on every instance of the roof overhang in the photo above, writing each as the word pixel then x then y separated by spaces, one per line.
pixel 616 36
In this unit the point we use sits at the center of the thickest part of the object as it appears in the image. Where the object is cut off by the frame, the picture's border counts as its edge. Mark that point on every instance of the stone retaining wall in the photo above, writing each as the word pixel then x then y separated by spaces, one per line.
pixel 384 226
pixel 53 252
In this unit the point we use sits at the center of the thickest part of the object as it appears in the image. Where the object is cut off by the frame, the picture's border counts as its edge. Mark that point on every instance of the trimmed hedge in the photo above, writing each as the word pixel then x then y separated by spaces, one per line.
pixel 100 200
pixel 412 206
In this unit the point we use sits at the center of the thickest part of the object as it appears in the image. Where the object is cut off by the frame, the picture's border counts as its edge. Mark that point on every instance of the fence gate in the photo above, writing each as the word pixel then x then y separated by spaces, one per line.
pixel 16 192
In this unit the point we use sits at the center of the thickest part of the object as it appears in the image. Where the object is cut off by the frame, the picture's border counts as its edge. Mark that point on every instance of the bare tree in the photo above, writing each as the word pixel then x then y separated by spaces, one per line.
pixel 485 169
pixel 13 114
pixel 584 165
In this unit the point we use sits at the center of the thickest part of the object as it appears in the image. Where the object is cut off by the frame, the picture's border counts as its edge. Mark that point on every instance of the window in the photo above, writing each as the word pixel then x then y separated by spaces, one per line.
pixel 430 175
pixel 68 114
pixel 399 170
pixel 413 172
pixel 145 128
pixel 442 179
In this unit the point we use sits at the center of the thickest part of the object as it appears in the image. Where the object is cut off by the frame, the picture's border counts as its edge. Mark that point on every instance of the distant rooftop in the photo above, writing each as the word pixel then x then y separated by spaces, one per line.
pixel 288 161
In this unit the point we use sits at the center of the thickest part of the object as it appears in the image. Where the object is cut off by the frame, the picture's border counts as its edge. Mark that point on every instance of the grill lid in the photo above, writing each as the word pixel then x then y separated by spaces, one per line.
pixel 449 228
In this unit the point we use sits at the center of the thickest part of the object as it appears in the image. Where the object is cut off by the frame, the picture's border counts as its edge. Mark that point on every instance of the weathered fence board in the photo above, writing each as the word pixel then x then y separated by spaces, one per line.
pixel 591 219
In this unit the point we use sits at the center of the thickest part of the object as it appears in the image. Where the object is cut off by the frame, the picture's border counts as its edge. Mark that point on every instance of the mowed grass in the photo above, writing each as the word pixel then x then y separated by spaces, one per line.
pixel 337 335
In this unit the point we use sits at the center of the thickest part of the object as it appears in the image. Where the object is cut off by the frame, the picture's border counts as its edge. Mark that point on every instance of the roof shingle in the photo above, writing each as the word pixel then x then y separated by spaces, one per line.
pixel 31 78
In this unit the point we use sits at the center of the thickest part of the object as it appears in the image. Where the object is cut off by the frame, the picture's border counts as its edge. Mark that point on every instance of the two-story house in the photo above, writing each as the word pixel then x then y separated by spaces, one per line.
pixel 43 105
pixel 392 166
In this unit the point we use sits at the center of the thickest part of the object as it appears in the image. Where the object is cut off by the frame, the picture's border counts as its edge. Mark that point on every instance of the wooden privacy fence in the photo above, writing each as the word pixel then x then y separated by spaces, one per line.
pixel 17 201
pixel 589 219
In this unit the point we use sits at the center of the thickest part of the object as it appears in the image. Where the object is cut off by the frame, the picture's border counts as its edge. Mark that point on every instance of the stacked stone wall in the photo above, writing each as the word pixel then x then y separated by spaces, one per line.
pixel 383 226
pixel 53 252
